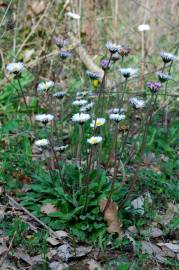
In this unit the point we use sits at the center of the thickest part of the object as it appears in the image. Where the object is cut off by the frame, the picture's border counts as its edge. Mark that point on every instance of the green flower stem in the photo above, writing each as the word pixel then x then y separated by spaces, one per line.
pixel 23 96
pixel 87 179
pixel 123 93
pixel 78 154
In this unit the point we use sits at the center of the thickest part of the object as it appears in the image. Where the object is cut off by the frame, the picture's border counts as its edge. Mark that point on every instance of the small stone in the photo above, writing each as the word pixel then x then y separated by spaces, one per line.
pixel 132 229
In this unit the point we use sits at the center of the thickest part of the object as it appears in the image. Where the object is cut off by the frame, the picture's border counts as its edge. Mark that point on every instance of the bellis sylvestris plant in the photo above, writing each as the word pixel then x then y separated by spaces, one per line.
pixel 96 137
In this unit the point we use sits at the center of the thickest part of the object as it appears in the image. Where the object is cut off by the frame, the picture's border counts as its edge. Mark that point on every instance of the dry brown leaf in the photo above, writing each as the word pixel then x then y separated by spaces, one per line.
pixel 92 265
pixel 170 213
pixel 1 214
pixel 61 234
pixel 53 241
pixel 37 7
pixel 48 209
pixel 171 246
pixel 22 177
pixel 111 216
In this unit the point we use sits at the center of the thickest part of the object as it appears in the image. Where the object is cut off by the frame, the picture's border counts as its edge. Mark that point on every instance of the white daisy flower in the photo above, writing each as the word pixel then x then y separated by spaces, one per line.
pixel 80 117
pixel 45 85
pixel 44 118
pixel 82 93
pixel 112 47
pixel 42 143
pixel 128 72
pixel 93 75
pixel 116 110
pixel 98 122
pixel 167 57
pixel 87 107
pixel 163 77
pixel 144 27
pixel 59 95
pixel 137 103
pixel 73 15
pixel 15 67
pixel 117 117
pixel 80 102
pixel 65 54
pixel 95 139
pixel 61 148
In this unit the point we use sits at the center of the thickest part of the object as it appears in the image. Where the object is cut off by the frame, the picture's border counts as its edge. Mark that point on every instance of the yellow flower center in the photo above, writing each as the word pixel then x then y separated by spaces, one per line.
pixel 94 140
pixel 95 83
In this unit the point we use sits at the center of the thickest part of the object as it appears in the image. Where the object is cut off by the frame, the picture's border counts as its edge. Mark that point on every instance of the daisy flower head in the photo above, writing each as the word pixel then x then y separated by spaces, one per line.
pixel 153 86
pixel 80 102
pixel 93 75
pixel 113 110
pixel 116 110
pixel 137 103
pixel 163 77
pixel 167 57
pixel 117 117
pixel 144 27
pixel 124 51
pixel 73 15
pixel 64 54
pixel 45 86
pixel 42 143
pixel 115 57
pixel 61 148
pixel 80 118
pixel 98 122
pixel 95 140
pixel 44 118
pixel 15 68
pixel 59 95
pixel 60 42
pixel 81 94
pixel 128 72
pixel 112 47
pixel 105 64
pixel 87 107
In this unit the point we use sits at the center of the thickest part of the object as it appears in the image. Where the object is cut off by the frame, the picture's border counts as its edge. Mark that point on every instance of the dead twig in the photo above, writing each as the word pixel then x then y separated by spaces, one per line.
pixel 14 202
pixel 7 252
